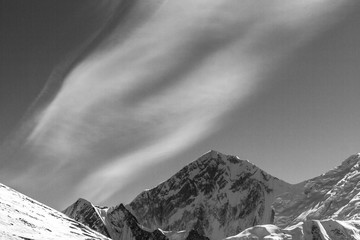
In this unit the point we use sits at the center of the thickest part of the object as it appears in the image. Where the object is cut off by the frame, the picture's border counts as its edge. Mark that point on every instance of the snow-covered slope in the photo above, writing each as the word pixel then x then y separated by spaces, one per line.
pixel 335 194
pixel 309 230
pixel 216 196
pixel 22 218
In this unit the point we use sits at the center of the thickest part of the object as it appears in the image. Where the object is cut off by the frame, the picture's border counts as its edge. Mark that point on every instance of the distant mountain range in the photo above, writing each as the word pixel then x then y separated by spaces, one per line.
pixel 218 197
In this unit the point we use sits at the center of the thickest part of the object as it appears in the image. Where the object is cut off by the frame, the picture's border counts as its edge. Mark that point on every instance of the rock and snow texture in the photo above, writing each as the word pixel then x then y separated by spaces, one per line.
pixel 308 230
pixel 335 194
pixel 218 195
pixel 213 197
pixel 322 208
pixel 115 222
pixel 22 218
pixel 83 211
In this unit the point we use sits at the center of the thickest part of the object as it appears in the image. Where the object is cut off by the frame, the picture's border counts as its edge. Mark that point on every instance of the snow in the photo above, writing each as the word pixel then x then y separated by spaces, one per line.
pixel 24 218
pixel 315 229
pixel 333 195
pixel 221 205
pixel 226 196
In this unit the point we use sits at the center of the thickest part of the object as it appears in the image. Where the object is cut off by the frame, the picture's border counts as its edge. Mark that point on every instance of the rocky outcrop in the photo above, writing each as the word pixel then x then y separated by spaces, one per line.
pixel 137 231
pixel 116 222
pixel 83 211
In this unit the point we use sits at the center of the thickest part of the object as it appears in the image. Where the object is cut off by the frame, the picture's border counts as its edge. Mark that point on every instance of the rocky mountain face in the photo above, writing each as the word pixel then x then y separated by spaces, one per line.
pixel 213 197
pixel 116 222
pixel 325 207
pixel 219 195
pixel 22 218
pixel 335 195
pixel 83 211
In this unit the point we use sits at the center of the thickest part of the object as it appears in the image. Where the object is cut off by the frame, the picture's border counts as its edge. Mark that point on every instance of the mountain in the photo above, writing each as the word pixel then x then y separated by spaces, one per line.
pixel 335 194
pixel 83 211
pixel 22 218
pixel 213 197
pixel 219 196
pixel 216 197
pixel 115 222
pixel 324 207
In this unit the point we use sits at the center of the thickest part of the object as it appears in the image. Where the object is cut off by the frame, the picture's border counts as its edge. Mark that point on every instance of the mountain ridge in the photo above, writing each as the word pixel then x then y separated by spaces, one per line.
pixel 216 195
pixel 325 196
pixel 322 208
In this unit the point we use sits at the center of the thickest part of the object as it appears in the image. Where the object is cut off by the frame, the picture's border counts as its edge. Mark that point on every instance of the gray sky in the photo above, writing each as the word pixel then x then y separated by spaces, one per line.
pixel 151 85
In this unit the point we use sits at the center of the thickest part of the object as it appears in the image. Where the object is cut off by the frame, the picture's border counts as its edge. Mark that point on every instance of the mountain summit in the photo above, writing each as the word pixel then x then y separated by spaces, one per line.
pixel 216 196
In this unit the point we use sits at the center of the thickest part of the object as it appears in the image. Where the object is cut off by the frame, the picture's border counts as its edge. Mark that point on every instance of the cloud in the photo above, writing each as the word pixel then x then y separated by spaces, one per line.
pixel 163 80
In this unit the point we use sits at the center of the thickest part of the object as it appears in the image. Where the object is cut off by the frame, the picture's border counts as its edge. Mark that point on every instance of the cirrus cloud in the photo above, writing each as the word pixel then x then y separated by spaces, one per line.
pixel 164 79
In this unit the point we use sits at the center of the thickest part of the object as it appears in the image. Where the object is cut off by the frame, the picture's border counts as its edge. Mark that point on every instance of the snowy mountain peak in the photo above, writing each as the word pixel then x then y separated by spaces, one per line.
pixel 219 158
pixel 213 166
pixel 219 195
pixel 216 195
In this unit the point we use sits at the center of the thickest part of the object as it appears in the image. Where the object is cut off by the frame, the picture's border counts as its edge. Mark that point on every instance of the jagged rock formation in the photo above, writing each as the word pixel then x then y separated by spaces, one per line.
pixel 136 230
pixel 84 212
pixel 217 196
pixel 116 222
pixel 22 218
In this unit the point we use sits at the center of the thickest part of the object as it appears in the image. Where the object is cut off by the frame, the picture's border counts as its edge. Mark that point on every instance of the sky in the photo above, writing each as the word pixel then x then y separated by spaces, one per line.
pixel 102 99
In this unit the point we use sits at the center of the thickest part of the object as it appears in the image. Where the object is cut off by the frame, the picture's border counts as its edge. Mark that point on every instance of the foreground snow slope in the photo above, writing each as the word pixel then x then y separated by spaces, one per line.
pixel 22 218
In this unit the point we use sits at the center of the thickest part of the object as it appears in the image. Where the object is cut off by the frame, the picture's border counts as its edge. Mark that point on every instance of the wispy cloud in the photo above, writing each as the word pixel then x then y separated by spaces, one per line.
pixel 162 81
